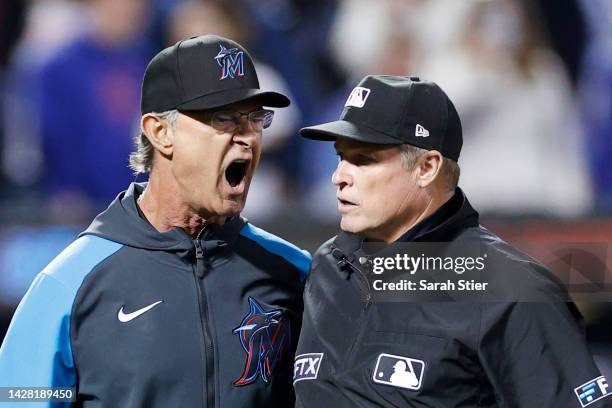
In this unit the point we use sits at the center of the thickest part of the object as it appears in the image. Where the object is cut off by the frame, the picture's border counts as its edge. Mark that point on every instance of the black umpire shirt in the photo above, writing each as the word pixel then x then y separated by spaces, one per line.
pixel 356 351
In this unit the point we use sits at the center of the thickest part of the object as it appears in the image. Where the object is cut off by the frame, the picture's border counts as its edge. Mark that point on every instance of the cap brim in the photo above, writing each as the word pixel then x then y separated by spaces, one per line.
pixel 215 100
pixel 341 128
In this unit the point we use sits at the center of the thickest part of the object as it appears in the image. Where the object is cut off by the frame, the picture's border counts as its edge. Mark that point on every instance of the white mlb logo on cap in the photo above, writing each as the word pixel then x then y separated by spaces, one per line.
pixel 358 97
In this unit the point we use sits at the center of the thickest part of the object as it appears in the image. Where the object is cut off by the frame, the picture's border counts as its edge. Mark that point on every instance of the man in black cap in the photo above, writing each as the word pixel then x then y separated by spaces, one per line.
pixel 394 308
pixel 170 298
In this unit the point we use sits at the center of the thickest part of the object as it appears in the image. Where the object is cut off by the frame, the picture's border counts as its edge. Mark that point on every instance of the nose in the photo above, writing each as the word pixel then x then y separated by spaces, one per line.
pixel 245 137
pixel 342 177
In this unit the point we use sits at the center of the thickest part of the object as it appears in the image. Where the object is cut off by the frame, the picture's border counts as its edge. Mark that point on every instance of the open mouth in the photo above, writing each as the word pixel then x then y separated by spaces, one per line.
pixel 236 171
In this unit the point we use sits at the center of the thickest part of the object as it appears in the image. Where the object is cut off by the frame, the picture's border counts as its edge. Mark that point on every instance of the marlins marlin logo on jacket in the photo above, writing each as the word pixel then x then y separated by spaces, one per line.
pixel 265 336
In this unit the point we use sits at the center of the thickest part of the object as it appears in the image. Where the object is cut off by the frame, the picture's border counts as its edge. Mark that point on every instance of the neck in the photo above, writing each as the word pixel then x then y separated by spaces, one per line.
pixel 161 204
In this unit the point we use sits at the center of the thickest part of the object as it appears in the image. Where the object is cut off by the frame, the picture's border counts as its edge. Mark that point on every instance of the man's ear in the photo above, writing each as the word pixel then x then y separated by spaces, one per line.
pixel 159 133
pixel 428 167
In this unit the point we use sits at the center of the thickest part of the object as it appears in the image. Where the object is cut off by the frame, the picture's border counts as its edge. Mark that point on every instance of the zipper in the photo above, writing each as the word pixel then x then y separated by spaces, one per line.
pixel 208 359
pixel 363 287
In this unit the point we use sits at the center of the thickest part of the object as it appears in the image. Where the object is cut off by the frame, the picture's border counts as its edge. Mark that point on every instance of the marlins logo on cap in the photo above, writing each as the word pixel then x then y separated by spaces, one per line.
pixel 231 61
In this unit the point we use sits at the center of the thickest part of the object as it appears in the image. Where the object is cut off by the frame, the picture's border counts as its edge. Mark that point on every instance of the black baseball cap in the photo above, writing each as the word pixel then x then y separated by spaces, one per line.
pixel 393 110
pixel 203 73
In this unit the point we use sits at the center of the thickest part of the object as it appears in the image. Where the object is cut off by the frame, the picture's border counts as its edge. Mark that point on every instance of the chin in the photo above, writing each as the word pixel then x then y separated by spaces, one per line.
pixel 351 225
pixel 361 226
pixel 232 209
pixel 233 206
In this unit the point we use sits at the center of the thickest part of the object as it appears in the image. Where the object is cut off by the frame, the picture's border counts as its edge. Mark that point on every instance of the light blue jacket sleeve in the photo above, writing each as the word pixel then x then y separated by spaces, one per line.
pixel 36 351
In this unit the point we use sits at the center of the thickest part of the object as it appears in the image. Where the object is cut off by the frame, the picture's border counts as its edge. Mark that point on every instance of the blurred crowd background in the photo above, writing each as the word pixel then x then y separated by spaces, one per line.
pixel 531 79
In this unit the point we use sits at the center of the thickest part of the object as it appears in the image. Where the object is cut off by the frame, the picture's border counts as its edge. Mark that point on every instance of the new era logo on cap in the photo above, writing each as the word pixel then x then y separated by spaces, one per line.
pixel 358 97
pixel 399 371
pixel 421 131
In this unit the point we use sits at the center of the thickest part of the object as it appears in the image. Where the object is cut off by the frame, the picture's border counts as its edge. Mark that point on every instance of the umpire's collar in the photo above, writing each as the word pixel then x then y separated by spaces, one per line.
pixel 445 223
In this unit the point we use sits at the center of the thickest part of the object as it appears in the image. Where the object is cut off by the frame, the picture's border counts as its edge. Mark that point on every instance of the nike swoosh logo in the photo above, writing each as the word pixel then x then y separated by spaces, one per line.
pixel 126 317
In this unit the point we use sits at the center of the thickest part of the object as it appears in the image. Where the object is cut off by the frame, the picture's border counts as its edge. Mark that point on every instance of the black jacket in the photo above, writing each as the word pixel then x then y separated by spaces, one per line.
pixel 136 318
pixel 496 353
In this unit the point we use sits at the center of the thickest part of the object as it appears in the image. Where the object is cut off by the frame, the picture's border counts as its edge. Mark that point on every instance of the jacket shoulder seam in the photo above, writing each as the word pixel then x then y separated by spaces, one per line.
pixel 272 244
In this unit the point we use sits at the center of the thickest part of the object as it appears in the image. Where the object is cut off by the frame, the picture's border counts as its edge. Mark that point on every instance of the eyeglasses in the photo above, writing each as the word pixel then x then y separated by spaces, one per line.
pixel 228 121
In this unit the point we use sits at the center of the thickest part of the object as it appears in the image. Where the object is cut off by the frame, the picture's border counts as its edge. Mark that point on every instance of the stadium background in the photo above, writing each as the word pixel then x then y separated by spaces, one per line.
pixel 532 80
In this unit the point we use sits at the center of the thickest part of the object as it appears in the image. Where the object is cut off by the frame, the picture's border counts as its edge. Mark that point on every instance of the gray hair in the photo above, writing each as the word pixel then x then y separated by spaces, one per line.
pixel 449 172
pixel 141 161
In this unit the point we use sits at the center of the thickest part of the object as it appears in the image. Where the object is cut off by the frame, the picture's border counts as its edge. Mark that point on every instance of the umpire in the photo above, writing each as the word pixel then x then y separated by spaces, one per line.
pixel 398 141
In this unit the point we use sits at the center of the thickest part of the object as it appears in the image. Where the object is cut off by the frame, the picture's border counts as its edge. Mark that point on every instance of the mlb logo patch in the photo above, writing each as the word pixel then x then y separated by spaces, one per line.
pixel 399 371
pixel 306 366
pixel 358 97
pixel 592 391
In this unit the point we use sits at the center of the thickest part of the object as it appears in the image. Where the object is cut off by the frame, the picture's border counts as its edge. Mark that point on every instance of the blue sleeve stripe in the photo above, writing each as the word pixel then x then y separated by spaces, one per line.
pixel 298 257
pixel 36 351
